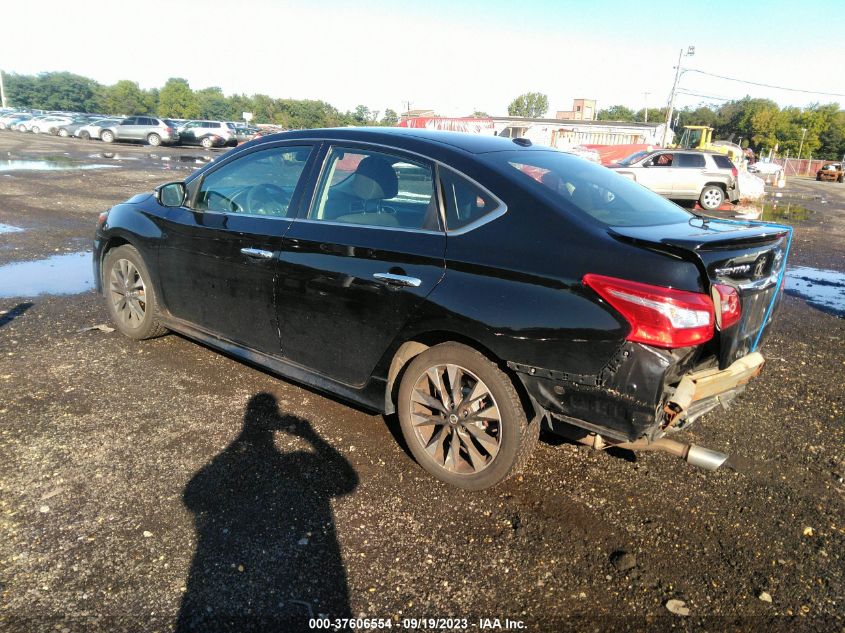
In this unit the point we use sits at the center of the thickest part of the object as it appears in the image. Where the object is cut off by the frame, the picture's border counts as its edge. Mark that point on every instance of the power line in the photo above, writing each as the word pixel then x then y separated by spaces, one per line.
pixel 695 94
pixel 755 83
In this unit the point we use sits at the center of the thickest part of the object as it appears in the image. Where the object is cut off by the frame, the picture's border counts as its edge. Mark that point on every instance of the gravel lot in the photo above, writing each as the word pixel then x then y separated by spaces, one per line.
pixel 162 486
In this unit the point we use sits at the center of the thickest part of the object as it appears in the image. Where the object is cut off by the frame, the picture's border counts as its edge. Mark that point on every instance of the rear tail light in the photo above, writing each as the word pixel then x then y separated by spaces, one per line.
pixel 169 130
pixel 101 219
pixel 658 316
pixel 734 172
pixel 727 306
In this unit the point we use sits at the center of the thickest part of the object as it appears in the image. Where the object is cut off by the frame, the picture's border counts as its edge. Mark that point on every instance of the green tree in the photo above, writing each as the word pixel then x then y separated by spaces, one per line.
pixel 531 105
pixel 125 98
pixel 362 115
pixel 655 115
pixel 615 113
pixel 53 91
pixel 212 104
pixel 177 100
pixel 389 117
pixel 478 114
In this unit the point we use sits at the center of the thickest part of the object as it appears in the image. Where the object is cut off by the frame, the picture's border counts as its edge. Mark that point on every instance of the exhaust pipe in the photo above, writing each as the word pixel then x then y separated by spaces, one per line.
pixel 699 456
pixel 705 458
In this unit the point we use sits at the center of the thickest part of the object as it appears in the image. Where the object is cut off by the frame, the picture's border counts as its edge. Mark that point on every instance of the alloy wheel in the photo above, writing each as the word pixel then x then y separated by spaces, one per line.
pixel 712 198
pixel 128 293
pixel 456 419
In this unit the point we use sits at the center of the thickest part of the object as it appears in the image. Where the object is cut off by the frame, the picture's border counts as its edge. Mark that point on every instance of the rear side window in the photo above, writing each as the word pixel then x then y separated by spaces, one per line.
pixel 376 189
pixel 689 160
pixel 579 186
pixel 723 162
pixel 465 202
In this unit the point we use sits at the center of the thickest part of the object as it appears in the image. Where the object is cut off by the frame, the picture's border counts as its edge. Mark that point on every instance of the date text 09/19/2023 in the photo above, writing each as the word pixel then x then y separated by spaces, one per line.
pixel 444 624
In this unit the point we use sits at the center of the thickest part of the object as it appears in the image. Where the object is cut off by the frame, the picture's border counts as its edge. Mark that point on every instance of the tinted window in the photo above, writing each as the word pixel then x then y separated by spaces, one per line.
pixel 465 202
pixel 375 189
pixel 723 162
pixel 579 186
pixel 689 160
pixel 130 121
pixel 633 158
pixel 260 183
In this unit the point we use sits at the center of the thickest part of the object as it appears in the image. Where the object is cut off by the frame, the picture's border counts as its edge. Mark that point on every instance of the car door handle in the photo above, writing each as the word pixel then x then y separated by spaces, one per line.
pixel 257 253
pixel 398 280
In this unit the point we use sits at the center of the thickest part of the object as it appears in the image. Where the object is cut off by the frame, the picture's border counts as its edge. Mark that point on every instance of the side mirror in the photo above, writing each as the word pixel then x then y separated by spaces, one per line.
pixel 172 194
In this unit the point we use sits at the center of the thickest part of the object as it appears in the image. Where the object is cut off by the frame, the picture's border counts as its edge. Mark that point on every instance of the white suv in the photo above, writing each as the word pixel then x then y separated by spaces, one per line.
pixel 207 133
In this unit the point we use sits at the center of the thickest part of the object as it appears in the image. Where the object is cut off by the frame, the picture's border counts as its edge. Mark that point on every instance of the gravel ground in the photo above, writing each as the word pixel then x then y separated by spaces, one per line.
pixel 162 486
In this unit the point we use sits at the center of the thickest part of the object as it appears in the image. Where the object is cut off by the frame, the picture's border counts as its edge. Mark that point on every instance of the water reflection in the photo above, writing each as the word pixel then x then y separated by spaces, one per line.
pixel 8 228
pixel 822 289
pixel 11 164
pixel 57 275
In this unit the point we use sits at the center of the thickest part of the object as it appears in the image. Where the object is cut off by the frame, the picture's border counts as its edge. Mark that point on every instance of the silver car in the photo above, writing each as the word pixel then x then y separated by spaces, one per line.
pixel 93 129
pixel 707 177
pixel 151 130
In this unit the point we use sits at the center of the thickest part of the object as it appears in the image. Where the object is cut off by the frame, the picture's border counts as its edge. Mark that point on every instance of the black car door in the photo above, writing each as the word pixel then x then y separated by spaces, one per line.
pixel 218 256
pixel 358 262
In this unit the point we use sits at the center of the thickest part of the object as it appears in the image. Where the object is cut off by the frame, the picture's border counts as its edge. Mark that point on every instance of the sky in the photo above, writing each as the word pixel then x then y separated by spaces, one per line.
pixel 454 57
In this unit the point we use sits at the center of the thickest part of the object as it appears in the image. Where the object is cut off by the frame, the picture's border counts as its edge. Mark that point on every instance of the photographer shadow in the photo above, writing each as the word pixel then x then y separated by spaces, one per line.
pixel 267 555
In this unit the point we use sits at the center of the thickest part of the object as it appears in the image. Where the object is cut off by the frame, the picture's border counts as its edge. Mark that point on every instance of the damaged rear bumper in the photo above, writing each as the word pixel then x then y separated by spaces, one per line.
pixel 643 392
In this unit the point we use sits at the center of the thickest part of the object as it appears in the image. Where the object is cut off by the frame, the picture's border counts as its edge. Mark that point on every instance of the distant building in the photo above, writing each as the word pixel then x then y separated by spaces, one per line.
pixel 582 110
pixel 415 114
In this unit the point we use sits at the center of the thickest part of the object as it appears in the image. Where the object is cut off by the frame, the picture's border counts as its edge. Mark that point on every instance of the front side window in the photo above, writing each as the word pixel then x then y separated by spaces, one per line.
pixel 375 189
pixel 662 160
pixel 261 183
pixel 579 186
pixel 130 121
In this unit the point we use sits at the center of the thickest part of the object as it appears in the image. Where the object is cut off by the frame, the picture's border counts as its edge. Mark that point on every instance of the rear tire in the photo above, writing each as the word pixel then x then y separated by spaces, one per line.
pixel 63 133
pixel 712 197
pixel 154 140
pixel 35 129
pixel 473 444
pixel 130 297
pixel 207 142
pixel 107 136
pixel 85 136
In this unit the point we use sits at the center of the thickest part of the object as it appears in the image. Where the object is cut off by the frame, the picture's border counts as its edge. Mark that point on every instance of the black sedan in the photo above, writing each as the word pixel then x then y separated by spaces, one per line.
pixel 477 286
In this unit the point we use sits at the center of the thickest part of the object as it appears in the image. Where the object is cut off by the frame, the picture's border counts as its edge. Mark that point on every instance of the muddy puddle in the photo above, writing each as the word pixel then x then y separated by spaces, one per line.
pixel 66 274
pixel 12 164
pixel 8 228
pixel 822 289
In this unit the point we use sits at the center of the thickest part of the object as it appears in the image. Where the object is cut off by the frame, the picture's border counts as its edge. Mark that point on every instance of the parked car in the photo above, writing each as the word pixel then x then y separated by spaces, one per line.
pixel 707 177
pixel 147 129
pixel 831 171
pixel 207 133
pixel 26 125
pixel 93 129
pixel 9 121
pixel 72 127
pixel 478 286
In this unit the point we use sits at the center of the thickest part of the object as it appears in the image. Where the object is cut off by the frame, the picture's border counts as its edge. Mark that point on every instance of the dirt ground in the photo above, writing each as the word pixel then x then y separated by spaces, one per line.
pixel 162 486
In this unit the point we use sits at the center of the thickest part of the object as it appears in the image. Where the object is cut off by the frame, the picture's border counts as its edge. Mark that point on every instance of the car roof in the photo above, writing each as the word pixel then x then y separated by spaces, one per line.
pixel 410 138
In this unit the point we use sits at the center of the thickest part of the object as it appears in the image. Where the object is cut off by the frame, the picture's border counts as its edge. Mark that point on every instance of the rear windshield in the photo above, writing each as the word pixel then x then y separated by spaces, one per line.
pixel 581 186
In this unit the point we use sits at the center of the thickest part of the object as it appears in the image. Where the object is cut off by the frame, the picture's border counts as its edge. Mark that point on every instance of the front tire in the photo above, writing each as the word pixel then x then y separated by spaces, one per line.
pixel 207 142
pixel 129 293
pixel 62 132
pixel 154 140
pixel 107 136
pixel 36 129
pixel 85 136
pixel 462 417
pixel 712 198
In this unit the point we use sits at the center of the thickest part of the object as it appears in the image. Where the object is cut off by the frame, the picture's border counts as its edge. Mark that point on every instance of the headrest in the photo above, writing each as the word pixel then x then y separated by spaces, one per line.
pixel 375 180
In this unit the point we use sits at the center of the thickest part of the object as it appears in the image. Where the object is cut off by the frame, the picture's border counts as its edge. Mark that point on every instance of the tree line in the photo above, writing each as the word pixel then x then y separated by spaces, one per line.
pixel 759 124
pixel 176 99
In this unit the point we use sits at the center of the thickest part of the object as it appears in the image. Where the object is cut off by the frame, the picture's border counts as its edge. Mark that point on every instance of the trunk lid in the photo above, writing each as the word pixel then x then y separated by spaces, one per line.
pixel 749 256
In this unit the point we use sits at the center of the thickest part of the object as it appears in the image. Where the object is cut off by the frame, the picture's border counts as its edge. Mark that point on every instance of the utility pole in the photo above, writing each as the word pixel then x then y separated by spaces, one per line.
pixel 690 52
pixel 2 91
pixel 645 94
pixel 801 146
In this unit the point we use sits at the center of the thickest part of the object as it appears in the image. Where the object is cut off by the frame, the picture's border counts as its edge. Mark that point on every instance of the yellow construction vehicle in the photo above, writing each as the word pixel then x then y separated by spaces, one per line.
pixel 701 137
